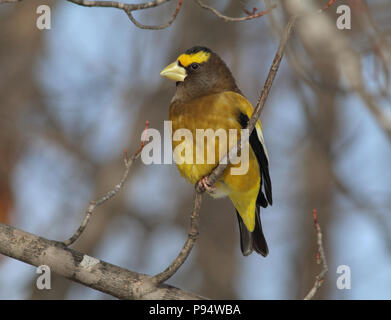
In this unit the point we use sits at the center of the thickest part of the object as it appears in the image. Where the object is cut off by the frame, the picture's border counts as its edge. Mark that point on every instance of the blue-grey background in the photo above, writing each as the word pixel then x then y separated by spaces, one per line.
pixel 74 96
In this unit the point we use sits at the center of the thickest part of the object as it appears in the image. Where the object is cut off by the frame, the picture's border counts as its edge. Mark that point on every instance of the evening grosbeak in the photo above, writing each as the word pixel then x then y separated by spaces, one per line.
pixel 207 97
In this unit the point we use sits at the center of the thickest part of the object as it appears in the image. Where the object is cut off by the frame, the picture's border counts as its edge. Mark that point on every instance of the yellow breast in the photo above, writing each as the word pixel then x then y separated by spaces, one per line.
pixel 217 112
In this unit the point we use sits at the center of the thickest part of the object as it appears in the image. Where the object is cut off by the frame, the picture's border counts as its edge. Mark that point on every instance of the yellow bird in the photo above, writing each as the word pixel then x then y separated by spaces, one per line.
pixel 207 97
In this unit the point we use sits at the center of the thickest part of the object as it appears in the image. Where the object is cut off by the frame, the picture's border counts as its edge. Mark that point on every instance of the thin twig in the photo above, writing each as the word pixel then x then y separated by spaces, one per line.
pixel 119 5
pixel 159 27
pixel 320 259
pixel 108 195
pixel 129 8
pixel 328 5
pixel 231 19
pixel 217 172
pixel 187 247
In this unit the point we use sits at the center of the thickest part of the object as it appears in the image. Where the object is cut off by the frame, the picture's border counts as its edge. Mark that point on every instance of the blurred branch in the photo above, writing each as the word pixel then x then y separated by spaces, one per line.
pixel 360 201
pixel 163 26
pixel 108 195
pixel 226 19
pixel 320 258
pixel 119 5
pixel 187 247
pixel 129 8
pixel 81 268
pixel 328 5
pixel 383 118
pixel 318 34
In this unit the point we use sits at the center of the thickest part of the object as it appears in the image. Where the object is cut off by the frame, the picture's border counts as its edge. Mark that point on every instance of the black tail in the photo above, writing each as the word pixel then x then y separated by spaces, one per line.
pixel 255 240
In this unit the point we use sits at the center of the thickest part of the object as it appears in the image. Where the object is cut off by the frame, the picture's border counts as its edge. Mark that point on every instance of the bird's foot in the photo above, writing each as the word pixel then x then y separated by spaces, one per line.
pixel 204 184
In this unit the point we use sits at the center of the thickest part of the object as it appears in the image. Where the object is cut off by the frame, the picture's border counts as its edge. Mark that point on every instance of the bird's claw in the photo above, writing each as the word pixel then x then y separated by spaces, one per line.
pixel 204 184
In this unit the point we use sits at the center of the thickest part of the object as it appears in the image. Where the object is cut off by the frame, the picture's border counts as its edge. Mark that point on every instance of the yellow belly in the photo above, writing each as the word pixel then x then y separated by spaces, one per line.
pixel 220 111
pixel 214 112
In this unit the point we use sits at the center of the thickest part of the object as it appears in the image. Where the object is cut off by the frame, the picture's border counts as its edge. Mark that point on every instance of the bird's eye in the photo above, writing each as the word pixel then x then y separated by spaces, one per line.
pixel 194 66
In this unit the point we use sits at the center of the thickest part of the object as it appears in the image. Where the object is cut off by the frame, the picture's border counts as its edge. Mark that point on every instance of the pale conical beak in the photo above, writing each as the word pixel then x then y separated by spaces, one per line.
pixel 174 72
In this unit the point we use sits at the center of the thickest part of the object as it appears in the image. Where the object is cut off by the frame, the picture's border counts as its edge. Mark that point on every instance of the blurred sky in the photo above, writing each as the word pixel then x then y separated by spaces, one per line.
pixel 85 45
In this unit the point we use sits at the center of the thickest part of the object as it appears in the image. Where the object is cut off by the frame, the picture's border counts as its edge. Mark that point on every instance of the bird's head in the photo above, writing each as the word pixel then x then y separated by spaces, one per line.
pixel 199 71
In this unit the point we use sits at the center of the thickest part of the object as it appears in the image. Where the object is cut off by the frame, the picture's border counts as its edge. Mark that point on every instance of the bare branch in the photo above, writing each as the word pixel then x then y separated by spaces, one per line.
pixel 218 171
pixel 108 195
pixel 188 246
pixel 81 268
pixel 320 258
pixel 226 18
pixel 119 5
pixel 163 26
pixel 129 8
pixel 328 5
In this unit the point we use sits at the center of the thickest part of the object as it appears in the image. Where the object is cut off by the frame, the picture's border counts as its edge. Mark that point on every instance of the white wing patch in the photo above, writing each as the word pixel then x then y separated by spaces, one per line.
pixel 260 137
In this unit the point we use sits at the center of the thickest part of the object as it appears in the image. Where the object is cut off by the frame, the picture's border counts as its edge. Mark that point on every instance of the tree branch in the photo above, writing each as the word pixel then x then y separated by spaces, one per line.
pixel 81 268
pixel 328 5
pixel 226 18
pixel 163 26
pixel 218 171
pixel 188 246
pixel 129 8
pixel 119 5
pixel 320 258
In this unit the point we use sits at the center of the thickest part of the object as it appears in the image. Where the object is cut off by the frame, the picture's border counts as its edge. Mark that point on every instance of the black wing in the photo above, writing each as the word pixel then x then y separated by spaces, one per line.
pixel 263 162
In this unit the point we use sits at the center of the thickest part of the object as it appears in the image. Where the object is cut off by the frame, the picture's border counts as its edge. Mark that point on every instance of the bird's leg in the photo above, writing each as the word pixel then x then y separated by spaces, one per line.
pixel 204 183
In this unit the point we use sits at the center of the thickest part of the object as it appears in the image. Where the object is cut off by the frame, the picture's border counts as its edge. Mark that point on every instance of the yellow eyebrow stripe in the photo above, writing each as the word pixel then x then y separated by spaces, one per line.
pixel 188 59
